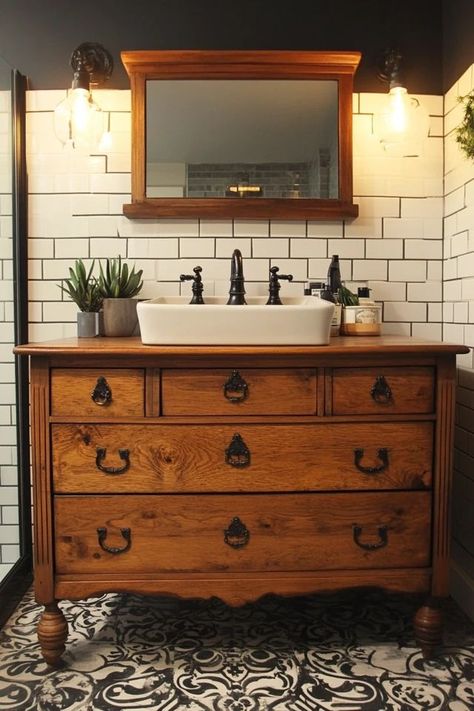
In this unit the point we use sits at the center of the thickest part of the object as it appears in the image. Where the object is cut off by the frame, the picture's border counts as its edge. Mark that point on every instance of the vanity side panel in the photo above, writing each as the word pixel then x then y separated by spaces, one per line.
pixel 443 470
pixel 41 464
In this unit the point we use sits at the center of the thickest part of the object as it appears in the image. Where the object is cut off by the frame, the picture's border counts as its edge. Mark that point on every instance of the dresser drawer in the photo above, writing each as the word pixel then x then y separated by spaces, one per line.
pixel 382 390
pixel 97 393
pixel 107 458
pixel 224 391
pixel 157 534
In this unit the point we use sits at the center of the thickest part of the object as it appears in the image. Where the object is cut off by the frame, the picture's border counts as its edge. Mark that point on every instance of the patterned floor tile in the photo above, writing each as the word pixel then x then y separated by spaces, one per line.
pixel 345 652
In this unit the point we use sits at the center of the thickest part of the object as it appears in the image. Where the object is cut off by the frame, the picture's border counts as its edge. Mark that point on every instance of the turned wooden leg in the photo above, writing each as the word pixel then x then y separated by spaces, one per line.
pixel 52 634
pixel 428 625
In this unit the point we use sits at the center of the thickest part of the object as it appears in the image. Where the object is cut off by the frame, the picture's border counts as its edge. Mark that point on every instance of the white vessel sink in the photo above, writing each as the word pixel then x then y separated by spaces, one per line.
pixel 174 321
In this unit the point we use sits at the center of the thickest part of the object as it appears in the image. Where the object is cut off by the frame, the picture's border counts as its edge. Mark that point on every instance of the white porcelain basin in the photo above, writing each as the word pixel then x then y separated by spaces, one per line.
pixel 174 321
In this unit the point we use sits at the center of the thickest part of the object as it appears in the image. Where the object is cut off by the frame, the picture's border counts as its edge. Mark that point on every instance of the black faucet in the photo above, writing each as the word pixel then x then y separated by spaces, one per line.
pixel 237 288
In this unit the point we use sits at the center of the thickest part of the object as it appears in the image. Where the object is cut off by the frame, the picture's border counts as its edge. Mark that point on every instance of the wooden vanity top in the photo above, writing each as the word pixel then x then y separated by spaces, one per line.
pixel 387 345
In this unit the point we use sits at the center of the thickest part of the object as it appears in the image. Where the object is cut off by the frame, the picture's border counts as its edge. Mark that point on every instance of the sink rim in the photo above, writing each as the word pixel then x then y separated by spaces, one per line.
pixel 303 321
pixel 289 302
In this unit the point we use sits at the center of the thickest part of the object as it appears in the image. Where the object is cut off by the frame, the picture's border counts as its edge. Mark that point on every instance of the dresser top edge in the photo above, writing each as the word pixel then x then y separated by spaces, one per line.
pixel 343 345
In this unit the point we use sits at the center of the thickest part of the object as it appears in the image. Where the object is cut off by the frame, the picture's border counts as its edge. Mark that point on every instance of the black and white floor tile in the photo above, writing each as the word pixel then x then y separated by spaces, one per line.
pixel 346 652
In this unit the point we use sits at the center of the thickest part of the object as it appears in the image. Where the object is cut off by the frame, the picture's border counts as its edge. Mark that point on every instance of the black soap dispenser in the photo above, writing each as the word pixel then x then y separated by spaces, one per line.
pixel 334 275
pixel 334 284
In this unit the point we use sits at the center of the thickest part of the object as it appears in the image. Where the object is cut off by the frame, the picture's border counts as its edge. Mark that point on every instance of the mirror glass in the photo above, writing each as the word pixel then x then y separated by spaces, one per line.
pixel 264 138
pixel 226 134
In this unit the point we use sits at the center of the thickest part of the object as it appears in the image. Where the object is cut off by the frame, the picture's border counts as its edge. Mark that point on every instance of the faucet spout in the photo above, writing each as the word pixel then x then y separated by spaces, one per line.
pixel 237 282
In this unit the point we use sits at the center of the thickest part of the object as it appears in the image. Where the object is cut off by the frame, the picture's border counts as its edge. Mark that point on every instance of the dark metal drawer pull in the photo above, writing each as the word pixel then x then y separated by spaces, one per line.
pixel 382 454
pixel 381 532
pixel 235 388
pixel 102 394
pixel 237 535
pixel 380 391
pixel 126 534
pixel 124 454
pixel 237 453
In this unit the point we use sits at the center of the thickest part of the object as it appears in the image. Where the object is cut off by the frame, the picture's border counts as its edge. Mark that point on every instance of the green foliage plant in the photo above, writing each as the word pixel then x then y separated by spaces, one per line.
pixel 117 281
pixel 465 130
pixel 82 287
pixel 346 297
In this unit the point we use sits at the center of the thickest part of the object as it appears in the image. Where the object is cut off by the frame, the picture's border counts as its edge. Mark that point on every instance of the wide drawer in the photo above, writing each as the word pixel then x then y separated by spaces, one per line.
pixel 106 458
pixel 382 390
pixel 97 393
pixel 153 534
pixel 250 391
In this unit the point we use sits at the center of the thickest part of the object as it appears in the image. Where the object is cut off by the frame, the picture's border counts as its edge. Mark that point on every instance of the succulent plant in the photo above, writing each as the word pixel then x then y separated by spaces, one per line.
pixel 346 297
pixel 82 287
pixel 117 281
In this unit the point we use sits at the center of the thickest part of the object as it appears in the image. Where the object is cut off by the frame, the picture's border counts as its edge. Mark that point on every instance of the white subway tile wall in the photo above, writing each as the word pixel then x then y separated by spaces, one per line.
pixel 458 315
pixel 76 211
pixel 9 529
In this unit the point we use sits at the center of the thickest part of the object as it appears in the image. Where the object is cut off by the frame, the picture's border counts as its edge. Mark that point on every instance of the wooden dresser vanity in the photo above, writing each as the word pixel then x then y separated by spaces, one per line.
pixel 240 471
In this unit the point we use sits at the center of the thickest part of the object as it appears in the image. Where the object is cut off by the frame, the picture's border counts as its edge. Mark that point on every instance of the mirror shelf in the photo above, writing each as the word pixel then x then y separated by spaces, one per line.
pixel 251 134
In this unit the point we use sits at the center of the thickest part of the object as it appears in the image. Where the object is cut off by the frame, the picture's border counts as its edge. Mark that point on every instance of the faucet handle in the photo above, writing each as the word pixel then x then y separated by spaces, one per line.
pixel 190 277
pixel 274 286
pixel 274 274
pixel 197 286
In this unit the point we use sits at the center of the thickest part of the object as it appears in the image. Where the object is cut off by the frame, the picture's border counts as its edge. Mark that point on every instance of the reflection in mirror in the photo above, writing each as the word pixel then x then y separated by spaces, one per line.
pixel 262 138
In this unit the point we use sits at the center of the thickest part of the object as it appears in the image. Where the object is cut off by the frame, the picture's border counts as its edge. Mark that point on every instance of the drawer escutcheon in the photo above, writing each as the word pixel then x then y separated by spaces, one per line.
pixel 237 453
pixel 102 394
pixel 381 391
pixel 236 389
pixel 237 535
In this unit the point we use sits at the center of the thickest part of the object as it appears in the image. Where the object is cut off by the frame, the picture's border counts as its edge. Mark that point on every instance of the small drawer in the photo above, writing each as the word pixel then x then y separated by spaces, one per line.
pixel 367 391
pixel 228 391
pixel 97 393
pixel 304 532
pixel 105 458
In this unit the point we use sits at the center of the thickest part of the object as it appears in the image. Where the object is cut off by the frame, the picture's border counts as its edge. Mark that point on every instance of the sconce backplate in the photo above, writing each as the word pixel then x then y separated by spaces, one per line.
pixel 93 58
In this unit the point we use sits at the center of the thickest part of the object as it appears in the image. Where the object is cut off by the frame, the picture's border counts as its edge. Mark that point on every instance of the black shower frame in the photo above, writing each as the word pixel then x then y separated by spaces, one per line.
pixel 14 585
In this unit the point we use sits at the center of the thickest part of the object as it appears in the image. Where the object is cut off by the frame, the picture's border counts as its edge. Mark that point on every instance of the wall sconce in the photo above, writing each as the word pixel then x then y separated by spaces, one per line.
pixel 79 122
pixel 403 123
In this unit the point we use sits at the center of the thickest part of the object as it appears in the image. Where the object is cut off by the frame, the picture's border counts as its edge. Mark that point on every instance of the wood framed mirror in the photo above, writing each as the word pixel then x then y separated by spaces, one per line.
pixel 249 134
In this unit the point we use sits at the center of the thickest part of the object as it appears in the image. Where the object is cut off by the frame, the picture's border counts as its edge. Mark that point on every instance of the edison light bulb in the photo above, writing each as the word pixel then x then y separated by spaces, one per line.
pixel 397 114
pixel 402 125
pixel 79 121
pixel 80 109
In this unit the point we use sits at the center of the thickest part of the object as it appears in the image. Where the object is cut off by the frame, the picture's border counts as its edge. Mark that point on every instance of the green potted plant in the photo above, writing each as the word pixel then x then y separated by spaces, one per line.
pixel 83 289
pixel 360 316
pixel 118 285
pixel 465 131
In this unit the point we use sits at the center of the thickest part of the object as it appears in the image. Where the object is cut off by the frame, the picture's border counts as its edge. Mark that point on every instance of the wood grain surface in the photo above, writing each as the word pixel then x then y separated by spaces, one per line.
pixel 286 532
pixel 71 392
pixel 412 390
pixel 270 391
pixel 192 458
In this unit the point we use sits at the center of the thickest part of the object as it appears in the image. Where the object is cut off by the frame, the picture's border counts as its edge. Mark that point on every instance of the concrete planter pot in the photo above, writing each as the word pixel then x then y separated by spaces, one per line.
pixel 120 317
pixel 87 324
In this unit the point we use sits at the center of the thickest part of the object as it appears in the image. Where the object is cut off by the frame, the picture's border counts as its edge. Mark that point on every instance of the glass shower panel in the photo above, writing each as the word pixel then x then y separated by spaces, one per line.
pixel 9 514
